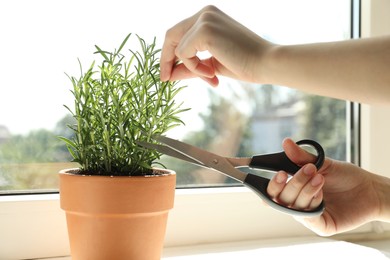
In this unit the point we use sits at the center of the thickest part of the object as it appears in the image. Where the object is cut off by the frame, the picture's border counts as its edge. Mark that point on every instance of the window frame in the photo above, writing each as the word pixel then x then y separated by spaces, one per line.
pixel 36 224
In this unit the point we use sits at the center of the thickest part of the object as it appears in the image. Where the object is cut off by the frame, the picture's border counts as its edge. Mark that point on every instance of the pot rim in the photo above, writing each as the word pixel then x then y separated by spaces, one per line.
pixel 160 172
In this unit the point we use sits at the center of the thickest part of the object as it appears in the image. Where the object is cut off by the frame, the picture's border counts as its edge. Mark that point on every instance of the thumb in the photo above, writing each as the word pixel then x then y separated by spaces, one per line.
pixel 296 154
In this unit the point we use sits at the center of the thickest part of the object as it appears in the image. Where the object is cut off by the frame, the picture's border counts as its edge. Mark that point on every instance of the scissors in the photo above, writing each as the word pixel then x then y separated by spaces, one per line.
pixel 244 170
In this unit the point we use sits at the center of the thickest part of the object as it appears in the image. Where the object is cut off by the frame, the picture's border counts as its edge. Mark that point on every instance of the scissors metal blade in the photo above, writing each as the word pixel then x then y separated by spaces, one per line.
pixel 169 151
pixel 208 159
pixel 226 166
pixel 238 162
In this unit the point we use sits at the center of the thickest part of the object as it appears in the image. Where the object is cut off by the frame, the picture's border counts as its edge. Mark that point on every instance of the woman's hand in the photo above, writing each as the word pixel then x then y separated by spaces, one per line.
pixel 354 70
pixel 350 193
pixel 235 50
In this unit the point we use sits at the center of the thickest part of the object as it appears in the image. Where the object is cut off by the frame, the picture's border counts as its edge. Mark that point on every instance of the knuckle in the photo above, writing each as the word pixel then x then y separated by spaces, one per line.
pixel 272 191
pixel 286 200
pixel 170 33
pixel 295 186
pixel 210 8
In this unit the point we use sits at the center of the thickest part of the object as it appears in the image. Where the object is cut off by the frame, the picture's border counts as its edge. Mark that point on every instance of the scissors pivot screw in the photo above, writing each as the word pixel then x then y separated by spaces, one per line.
pixel 215 161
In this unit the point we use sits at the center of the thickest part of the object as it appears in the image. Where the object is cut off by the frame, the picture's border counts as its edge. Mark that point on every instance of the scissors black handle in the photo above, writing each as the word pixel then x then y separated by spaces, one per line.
pixel 280 161
pixel 277 162
pixel 259 185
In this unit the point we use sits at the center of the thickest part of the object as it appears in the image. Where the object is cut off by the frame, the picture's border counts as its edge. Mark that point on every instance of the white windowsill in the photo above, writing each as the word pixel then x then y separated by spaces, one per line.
pixel 293 248
pixel 37 224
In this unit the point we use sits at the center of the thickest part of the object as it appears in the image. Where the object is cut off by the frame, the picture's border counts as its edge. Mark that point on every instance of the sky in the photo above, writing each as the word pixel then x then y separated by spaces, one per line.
pixel 41 40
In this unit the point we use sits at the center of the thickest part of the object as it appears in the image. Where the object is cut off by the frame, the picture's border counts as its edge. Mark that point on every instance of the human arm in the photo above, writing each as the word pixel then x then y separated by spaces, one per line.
pixel 354 70
pixel 352 195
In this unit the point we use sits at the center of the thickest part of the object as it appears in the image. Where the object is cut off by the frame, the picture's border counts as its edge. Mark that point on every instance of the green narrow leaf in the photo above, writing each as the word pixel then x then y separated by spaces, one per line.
pixel 103 53
pixel 124 42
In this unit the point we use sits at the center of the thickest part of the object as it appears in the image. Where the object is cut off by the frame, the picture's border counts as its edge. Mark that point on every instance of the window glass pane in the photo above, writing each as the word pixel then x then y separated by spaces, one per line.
pixel 43 39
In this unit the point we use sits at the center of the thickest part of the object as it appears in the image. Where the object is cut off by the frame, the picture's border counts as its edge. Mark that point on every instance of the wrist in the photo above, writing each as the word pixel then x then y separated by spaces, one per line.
pixel 279 66
pixel 382 189
pixel 269 63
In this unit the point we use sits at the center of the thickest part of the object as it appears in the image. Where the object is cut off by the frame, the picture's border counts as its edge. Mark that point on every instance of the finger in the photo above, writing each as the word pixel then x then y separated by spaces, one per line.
pixel 180 72
pixel 296 154
pixel 294 187
pixel 307 197
pixel 214 82
pixel 201 69
pixel 167 60
pixel 317 200
pixel 276 184
pixel 168 57
pixel 182 41
pixel 172 39
pixel 189 47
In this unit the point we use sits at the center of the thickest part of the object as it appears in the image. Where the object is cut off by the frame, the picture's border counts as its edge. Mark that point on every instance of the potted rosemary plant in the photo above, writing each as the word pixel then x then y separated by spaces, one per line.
pixel 117 202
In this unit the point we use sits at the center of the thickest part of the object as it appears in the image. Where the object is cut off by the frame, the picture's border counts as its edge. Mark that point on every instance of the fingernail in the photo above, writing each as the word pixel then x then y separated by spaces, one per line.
pixel 317 180
pixel 164 75
pixel 280 178
pixel 309 169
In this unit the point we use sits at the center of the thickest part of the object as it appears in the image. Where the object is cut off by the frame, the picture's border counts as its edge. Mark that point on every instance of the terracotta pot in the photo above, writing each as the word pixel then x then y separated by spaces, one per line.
pixel 116 217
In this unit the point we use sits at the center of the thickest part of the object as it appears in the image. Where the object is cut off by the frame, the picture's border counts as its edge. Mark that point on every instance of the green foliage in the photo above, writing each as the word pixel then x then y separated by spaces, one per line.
pixel 117 105
pixel 37 146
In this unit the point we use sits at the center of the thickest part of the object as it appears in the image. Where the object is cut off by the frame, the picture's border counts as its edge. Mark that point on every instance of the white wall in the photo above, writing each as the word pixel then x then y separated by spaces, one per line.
pixel 375 120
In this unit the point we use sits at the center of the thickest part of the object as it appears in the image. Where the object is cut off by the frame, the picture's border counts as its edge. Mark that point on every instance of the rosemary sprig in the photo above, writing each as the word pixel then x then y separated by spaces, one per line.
pixel 120 102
